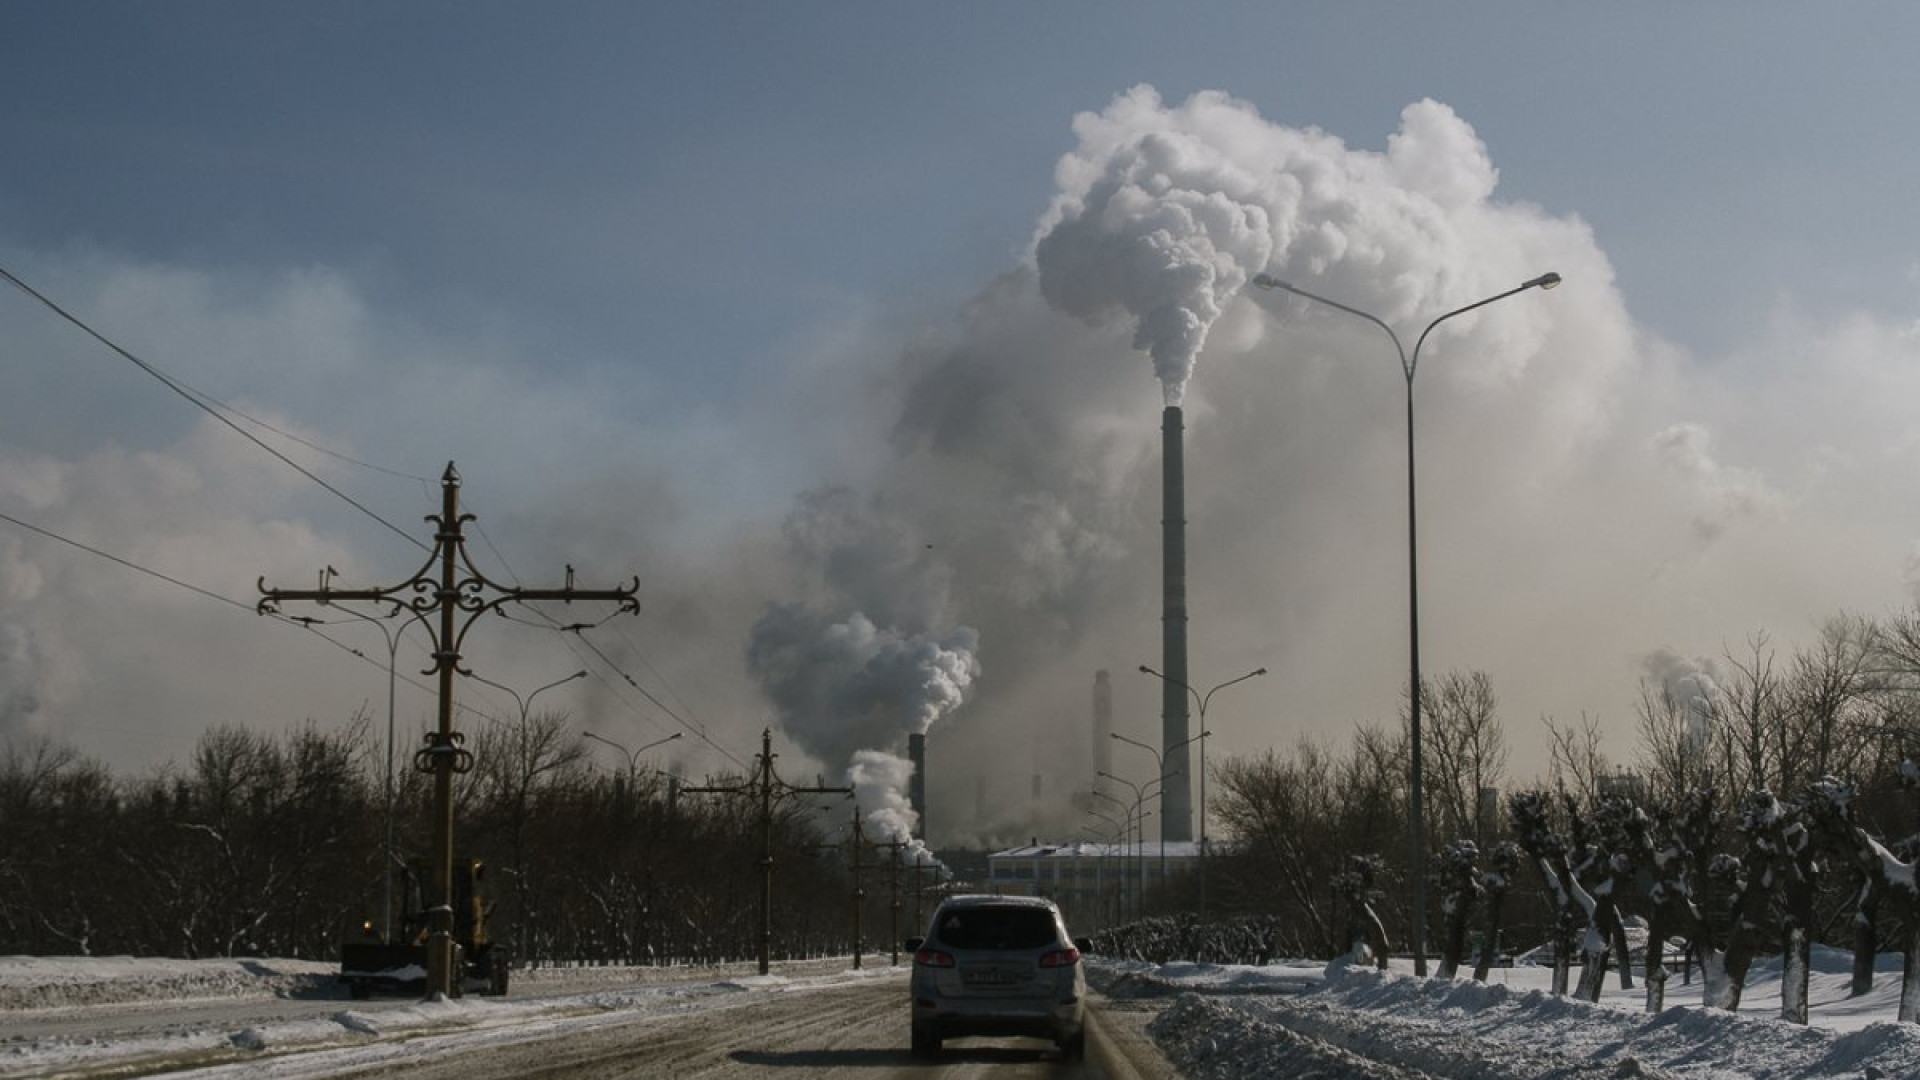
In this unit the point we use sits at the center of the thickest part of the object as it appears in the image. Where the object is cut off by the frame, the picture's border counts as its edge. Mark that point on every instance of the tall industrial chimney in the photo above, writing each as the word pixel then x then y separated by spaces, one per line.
pixel 917 783
pixel 1176 806
pixel 1102 729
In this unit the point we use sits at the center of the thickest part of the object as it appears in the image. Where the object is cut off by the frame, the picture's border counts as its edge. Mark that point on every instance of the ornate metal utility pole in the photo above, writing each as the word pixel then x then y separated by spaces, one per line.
pixel 457 589
pixel 765 783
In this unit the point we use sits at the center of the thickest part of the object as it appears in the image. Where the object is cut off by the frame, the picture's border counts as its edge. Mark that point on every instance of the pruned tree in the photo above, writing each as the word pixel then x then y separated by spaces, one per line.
pixel 1529 814
pixel 1366 937
pixel 1496 882
pixel 1729 943
pixel 1680 848
pixel 1890 877
pixel 1461 891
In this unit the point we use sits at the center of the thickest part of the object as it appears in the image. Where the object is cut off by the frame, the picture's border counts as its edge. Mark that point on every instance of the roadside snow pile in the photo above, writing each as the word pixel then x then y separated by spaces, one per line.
pixel 1247 1040
pixel 1360 1023
pixel 42 982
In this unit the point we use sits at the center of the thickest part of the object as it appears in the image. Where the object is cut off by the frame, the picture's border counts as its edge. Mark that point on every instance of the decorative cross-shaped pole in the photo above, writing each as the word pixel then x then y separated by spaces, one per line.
pixel 447 595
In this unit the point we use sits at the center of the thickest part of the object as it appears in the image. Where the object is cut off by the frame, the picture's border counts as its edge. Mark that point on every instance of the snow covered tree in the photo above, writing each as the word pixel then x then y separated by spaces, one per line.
pixel 1607 846
pixel 1728 944
pixel 1460 891
pixel 1496 881
pixel 1530 815
pixel 1366 937
pixel 1680 849
pixel 1890 878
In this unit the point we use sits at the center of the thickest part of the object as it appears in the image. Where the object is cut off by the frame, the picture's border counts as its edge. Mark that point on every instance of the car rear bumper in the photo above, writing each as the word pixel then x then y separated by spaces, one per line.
pixel 948 1018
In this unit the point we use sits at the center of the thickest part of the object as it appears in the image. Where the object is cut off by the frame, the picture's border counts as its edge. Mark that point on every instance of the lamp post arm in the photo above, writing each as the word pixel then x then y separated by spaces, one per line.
pixel 1268 282
pixel 1544 281
pixel 1223 686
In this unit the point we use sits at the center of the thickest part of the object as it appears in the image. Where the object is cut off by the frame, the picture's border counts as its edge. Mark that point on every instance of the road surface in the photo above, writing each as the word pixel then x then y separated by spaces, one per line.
pixel 800 1029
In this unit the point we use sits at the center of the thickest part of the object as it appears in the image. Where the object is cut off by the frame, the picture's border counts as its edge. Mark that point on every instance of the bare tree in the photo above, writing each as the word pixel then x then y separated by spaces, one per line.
pixel 1465 752
pixel 1579 765
pixel 1749 716
pixel 1828 715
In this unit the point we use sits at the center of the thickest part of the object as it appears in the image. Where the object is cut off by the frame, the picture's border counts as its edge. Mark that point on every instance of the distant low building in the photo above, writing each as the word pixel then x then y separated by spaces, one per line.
pixel 1096 885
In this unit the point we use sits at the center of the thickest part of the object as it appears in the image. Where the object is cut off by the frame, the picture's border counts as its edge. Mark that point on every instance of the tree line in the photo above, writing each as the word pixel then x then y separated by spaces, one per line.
pixel 265 845
pixel 1768 805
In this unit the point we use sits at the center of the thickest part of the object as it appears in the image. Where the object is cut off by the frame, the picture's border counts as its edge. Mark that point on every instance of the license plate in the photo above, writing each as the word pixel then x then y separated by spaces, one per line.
pixel 991 977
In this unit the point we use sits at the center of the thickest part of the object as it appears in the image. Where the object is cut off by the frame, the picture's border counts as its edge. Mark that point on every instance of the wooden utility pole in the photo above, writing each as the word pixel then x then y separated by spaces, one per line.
pixel 446 595
pixel 767 786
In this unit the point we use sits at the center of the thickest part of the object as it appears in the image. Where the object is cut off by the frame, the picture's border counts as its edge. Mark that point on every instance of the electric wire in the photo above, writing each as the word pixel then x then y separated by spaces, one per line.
pixel 696 730
pixel 306 622
pixel 219 409
pixel 201 401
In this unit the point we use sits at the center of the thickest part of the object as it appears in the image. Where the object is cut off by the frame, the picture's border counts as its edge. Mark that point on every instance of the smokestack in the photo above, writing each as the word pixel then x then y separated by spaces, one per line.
pixel 917 784
pixel 1176 806
pixel 1102 729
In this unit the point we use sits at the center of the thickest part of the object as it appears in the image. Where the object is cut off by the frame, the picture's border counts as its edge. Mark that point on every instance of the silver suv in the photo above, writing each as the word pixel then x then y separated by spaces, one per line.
pixel 998 965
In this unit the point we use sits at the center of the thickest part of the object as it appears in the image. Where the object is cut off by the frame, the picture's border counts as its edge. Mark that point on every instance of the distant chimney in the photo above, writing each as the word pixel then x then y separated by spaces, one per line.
pixel 917 783
pixel 1102 729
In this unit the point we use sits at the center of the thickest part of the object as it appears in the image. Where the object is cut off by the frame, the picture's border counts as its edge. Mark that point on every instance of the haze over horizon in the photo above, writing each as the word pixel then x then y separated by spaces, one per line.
pixel 839 327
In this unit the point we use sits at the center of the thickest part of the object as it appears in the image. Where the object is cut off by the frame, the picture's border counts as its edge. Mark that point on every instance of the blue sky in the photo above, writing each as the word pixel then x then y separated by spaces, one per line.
pixel 651 272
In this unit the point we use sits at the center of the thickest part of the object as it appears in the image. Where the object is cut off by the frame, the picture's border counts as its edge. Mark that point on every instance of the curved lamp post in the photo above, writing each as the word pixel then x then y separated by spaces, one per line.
pixel 392 637
pixel 633 756
pixel 1408 365
pixel 1201 701
pixel 526 703
pixel 1119 831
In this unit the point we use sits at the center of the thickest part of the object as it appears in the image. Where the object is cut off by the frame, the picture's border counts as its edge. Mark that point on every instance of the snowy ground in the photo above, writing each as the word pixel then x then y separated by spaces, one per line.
pixel 59 1015
pixel 1267 1023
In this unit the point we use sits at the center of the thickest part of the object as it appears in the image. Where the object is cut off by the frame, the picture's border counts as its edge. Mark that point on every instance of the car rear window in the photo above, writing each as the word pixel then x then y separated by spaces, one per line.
pixel 997 928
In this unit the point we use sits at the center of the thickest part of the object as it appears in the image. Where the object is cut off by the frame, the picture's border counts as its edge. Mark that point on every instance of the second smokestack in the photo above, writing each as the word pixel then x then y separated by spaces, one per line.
pixel 1176 805
pixel 917 784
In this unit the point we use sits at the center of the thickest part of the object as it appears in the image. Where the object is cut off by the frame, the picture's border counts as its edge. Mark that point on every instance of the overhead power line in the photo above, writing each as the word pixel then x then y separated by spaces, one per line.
pixel 220 411
pixel 206 404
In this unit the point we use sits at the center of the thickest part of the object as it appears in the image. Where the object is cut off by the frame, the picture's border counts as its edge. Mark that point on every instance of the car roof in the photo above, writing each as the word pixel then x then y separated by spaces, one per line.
pixel 990 900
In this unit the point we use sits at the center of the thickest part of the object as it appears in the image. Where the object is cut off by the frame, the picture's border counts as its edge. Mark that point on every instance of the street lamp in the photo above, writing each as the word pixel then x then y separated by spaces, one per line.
pixel 392 637
pixel 1119 831
pixel 526 703
pixel 1159 768
pixel 633 757
pixel 1408 365
pixel 1202 700
pixel 1126 831
pixel 1140 796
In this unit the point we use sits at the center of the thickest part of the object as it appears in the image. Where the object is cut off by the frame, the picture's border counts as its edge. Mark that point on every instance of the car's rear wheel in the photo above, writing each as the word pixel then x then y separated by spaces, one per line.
pixel 926 1043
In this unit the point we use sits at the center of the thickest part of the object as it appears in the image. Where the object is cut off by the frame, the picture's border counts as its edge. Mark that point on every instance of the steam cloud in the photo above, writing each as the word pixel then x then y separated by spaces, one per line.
pixel 1165 213
pixel 849 691
pixel 996 511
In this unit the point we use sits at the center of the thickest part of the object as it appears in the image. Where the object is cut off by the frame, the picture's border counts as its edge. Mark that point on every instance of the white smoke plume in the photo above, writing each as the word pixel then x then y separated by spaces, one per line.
pixel 879 782
pixel 849 692
pixel 1164 213
pixel 1690 683
pixel 998 471
pixel 1721 494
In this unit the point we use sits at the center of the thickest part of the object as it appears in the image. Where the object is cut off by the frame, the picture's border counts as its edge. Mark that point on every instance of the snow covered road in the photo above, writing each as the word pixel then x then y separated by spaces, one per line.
pixel 821 1021
pixel 817 1021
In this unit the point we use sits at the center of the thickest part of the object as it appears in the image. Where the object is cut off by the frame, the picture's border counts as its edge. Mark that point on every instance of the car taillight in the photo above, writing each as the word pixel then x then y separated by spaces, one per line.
pixel 933 958
pixel 1060 958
